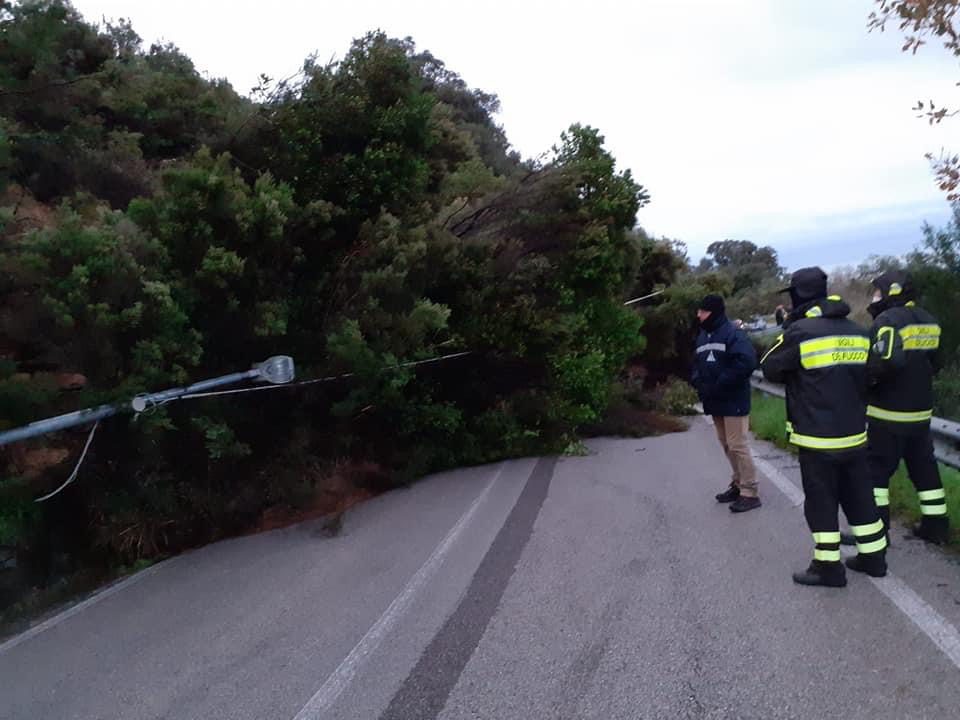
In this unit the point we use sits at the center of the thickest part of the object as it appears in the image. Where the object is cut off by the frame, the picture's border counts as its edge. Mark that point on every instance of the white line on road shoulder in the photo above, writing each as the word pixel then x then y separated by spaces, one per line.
pixel 793 493
pixel 79 607
pixel 931 623
pixel 340 678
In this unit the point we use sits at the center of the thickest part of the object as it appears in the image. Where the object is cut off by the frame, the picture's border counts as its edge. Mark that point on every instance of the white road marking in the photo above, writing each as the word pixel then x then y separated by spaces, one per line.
pixel 943 634
pixel 340 678
pixel 931 623
pixel 793 493
pixel 79 607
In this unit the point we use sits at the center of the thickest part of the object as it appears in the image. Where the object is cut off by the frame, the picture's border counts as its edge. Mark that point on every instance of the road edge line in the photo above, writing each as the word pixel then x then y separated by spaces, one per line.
pixel 931 623
pixel 341 677
pixel 52 622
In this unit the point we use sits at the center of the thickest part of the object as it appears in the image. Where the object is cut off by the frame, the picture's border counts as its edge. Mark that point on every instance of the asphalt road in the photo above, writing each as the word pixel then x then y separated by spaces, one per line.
pixel 608 586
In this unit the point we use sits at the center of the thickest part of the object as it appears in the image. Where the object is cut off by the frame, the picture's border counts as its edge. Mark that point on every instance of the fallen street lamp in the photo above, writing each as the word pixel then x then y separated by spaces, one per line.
pixel 277 370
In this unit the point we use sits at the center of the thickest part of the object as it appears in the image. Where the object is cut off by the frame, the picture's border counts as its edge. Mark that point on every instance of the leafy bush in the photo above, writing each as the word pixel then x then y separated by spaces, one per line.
pixel 365 214
pixel 679 398
pixel 946 393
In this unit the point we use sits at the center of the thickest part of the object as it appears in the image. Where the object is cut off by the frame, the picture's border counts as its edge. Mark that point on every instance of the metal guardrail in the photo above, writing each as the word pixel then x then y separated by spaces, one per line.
pixel 946 433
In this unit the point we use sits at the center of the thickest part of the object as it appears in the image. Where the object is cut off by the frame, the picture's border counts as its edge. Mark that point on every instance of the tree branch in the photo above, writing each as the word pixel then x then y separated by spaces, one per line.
pixel 51 86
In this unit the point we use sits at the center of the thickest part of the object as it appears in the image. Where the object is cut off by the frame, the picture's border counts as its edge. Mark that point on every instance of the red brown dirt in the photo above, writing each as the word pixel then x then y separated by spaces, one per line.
pixel 346 485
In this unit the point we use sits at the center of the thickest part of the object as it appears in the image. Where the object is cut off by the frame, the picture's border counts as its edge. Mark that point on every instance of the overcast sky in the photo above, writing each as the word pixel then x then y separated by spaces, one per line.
pixel 779 121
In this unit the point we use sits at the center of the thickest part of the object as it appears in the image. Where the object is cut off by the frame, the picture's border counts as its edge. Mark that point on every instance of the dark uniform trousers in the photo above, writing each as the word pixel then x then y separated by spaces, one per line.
pixel 840 479
pixel 915 448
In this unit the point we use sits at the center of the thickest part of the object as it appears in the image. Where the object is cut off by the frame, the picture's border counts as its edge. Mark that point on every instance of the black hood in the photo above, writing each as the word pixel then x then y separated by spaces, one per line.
pixel 896 289
pixel 713 322
pixel 830 307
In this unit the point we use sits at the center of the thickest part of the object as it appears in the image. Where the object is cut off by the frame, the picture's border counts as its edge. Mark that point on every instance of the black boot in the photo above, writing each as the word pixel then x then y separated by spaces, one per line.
pixel 728 495
pixel 828 574
pixel 933 529
pixel 743 504
pixel 874 564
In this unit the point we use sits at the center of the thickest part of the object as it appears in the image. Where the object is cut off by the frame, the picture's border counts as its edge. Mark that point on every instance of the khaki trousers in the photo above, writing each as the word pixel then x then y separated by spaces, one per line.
pixel 733 433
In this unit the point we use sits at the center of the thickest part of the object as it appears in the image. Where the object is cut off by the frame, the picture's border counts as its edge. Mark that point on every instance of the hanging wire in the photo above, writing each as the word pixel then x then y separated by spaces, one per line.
pixel 329 378
pixel 76 470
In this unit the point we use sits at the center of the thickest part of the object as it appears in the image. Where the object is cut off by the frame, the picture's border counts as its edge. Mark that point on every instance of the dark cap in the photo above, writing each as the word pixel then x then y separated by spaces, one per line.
pixel 713 304
pixel 807 284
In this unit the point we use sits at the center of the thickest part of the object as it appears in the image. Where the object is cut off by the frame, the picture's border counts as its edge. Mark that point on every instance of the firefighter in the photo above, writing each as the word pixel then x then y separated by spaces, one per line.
pixel 821 357
pixel 903 359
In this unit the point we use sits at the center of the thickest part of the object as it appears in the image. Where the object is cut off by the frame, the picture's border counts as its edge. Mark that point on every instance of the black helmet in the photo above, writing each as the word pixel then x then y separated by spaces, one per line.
pixel 895 284
pixel 896 288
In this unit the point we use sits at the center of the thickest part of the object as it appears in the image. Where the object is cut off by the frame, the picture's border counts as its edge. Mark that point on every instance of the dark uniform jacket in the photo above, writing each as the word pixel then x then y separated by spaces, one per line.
pixel 903 360
pixel 821 357
pixel 725 359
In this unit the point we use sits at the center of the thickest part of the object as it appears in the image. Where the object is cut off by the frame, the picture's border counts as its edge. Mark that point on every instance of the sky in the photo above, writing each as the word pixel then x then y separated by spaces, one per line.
pixel 783 122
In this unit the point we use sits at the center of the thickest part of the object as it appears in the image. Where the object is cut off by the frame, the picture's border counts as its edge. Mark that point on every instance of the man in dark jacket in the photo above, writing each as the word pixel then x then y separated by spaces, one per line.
pixel 724 361
pixel 780 315
pixel 821 357
pixel 904 356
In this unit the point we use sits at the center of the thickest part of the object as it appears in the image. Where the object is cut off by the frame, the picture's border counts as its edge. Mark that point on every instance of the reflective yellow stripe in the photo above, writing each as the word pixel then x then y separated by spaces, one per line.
pixel 826 537
pixel 932 494
pixel 777 344
pixel 933 509
pixel 872 528
pixel 898 416
pixel 836 298
pixel 813 312
pixel 882 496
pixel 872 547
pixel 834 350
pixel 827 555
pixel 837 443
pixel 911 304
pixel 889 340
pixel 920 337
pixel 895 289
pixel 922 343
pixel 834 342
pixel 789 427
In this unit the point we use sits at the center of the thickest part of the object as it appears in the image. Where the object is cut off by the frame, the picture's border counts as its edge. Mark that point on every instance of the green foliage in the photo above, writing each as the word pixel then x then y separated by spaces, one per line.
pixel 679 398
pixel 768 419
pixel 946 392
pixel 85 107
pixel 220 440
pixel 935 266
pixel 18 512
pixel 101 292
pixel 366 214
pixel 746 265
pixel 671 324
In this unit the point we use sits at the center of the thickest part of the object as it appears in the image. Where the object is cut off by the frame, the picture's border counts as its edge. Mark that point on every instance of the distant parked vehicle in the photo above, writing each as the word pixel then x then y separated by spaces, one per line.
pixel 758 324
